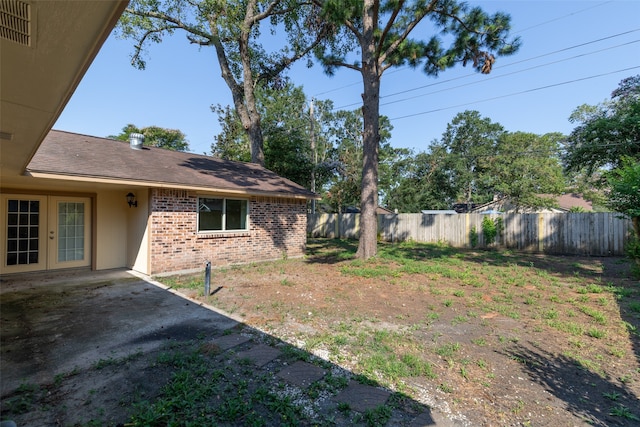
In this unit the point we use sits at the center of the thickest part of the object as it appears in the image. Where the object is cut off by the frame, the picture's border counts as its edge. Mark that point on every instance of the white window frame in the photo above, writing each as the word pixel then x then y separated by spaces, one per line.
pixel 224 216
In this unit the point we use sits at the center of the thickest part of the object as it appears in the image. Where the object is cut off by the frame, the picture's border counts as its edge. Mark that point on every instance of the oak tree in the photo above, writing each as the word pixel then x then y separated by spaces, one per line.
pixel 155 136
pixel 607 132
pixel 238 30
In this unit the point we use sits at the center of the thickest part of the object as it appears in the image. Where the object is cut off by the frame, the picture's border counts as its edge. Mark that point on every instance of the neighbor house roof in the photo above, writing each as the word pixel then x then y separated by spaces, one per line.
pixel 71 156
pixel 565 203
pixel 573 200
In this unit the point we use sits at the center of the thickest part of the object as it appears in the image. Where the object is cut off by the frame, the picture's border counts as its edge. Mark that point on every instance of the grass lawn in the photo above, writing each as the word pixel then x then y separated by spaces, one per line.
pixel 500 337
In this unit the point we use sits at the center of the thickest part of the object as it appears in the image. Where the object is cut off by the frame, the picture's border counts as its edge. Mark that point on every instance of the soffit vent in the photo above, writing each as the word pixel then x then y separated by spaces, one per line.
pixel 15 21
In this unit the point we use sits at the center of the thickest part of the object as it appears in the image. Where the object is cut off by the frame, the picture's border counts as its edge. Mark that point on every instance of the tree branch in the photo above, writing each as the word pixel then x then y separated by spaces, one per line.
pixel 164 17
pixel 393 46
pixel 388 27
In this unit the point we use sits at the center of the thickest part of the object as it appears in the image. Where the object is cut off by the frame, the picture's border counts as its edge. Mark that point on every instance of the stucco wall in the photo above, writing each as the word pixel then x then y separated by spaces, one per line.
pixel 277 229
pixel 111 230
pixel 138 233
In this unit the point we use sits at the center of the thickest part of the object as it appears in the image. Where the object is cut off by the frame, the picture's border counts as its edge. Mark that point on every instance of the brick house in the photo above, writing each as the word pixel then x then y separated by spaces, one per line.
pixel 75 201
pixel 98 203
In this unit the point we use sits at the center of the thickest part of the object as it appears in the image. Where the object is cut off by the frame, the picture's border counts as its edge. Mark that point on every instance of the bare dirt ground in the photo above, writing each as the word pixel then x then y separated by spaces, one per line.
pixel 489 338
pixel 514 339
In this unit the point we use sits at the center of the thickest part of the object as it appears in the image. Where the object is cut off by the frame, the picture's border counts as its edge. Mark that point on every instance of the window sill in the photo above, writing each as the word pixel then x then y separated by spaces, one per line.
pixel 223 234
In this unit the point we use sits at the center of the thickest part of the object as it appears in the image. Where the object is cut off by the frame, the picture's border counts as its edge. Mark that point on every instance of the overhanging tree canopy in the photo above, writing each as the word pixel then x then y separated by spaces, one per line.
pixel 233 28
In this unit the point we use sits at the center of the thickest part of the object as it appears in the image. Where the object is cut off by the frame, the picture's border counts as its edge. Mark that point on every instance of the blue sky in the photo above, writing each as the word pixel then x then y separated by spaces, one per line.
pixel 573 53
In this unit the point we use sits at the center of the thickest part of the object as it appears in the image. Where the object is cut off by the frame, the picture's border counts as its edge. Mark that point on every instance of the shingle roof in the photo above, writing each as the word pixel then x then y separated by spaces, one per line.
pixel 75 155
pixel 572 200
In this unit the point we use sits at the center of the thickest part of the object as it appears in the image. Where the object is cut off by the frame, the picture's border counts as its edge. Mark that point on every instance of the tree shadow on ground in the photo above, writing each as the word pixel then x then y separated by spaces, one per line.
pixel 599 400
pixel 330 251
pixel 178 363
pixel 615 274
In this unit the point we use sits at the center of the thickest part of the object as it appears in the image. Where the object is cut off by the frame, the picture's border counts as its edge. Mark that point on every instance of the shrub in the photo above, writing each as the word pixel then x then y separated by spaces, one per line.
pixel 473 236
pixel 489 230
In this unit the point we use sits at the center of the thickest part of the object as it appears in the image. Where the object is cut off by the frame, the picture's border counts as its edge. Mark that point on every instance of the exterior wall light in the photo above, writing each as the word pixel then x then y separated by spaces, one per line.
pixel 131 200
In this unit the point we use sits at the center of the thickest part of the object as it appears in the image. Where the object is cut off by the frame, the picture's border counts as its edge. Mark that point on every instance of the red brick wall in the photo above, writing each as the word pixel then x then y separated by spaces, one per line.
pixel 277 229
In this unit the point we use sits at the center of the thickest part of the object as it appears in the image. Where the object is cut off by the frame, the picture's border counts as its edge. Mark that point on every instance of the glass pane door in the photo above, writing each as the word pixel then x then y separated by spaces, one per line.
pixel 71 226
pixel 23 234
pixel 69 232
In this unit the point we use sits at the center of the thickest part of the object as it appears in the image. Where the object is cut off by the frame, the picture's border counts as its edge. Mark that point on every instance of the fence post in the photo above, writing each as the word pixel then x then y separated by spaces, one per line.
pixel 467 231
pixel 541 233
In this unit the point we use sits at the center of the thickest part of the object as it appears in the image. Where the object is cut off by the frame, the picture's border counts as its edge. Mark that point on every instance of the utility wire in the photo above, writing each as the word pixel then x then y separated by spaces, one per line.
pixel 467 76
pixel 529 59
pixel 515 93
pixel 515 33
pixel 508 74
pixel 561 17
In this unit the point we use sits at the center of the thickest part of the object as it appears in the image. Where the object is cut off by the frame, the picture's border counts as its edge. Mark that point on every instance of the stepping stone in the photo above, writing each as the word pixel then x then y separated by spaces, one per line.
pixel 227 341
pixel 422 420
pixel 301 374
pixel 260 355
pixel 361 397
pixel 429 418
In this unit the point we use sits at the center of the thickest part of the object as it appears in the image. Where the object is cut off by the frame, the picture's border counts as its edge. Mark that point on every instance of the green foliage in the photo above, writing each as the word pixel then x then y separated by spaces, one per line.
pixel 345 136
pixel 236 30
pixel 23 399
pixel 154 136
pixel 381 32
pixel 473 35
pixel 475 160
pixel 623 412
pixel 285 128
pixel 607 132
pixel 232 143
pixel 526 165
pixel 423 182
pixel 467 152
pixel 489 230
pixel 608 135
pixel 624 196
pixel 473 236
pixel 633 249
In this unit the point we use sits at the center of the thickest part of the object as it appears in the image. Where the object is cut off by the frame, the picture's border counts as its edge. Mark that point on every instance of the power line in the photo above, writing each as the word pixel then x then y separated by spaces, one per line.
pixel 516 32
pixel 562 17
pixel 515 93
pixel 440 82
pixel 509 74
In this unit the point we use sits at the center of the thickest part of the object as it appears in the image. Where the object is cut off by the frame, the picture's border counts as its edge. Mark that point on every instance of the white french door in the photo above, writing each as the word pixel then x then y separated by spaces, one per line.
pixel 69 232
pixel 45 232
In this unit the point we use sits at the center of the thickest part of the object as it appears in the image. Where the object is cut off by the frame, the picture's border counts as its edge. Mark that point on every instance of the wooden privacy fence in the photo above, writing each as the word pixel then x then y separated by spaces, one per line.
pixel 597 234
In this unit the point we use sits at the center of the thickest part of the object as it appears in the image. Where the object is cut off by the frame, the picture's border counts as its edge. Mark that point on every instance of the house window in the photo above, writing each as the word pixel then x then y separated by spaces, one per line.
pixel 222 214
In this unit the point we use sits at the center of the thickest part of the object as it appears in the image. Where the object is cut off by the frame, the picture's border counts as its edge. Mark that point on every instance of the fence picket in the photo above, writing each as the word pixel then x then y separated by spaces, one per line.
pixel 597 234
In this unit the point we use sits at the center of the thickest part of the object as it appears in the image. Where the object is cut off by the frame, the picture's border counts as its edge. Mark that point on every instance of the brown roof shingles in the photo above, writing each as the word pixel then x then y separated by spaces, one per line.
pixel 71 154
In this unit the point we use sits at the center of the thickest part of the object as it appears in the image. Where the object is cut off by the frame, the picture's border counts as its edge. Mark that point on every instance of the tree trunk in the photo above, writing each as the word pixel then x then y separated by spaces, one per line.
pixel 252 121
pixel 242 93
pixel 367 246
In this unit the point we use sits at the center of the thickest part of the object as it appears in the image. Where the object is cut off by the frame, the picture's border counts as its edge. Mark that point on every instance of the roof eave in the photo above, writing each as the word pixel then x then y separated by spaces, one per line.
pixel 152 184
